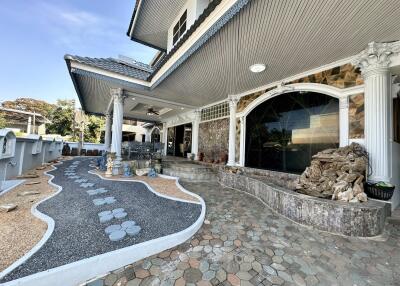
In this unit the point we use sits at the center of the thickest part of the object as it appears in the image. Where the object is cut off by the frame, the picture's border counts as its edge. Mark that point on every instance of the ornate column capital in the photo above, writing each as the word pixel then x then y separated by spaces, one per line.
pixel 108 115
pixel 376 57
pixel 233 100
pixel 117 94
pixel 197 115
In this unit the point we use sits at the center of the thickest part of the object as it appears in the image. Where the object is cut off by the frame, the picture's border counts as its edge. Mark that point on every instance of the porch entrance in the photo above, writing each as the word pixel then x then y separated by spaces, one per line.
pixel 179 140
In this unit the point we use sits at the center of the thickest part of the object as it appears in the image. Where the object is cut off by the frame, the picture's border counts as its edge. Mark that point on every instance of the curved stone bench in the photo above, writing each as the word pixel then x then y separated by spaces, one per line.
pixel 351 219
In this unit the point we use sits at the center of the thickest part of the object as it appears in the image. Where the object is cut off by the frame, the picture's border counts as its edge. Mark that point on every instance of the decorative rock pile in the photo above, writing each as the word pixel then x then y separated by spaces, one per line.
pixel 337 174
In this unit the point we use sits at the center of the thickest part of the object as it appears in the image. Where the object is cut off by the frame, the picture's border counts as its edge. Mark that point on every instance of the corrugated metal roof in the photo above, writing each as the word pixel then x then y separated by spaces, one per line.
pixel 136 70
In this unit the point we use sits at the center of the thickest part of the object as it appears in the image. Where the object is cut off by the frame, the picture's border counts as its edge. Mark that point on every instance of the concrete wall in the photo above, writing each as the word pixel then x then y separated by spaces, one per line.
pixel 24 160
pixel 87 146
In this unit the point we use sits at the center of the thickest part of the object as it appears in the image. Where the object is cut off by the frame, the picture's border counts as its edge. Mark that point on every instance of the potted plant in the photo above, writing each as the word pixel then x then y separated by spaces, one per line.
pixel 380 190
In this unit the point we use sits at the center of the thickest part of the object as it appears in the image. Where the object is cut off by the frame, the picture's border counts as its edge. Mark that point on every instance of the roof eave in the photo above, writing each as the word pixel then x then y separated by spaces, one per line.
pixel 131 28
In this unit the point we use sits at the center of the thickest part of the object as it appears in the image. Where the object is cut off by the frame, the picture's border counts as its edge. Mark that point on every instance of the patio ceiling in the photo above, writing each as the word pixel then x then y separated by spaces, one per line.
pixel 290 37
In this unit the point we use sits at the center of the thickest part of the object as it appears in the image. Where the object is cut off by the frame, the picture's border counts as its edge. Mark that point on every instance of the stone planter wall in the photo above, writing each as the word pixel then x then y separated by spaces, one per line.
pixel 351 219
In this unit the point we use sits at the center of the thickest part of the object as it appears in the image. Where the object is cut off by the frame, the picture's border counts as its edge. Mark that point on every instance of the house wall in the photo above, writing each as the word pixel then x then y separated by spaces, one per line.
pixel 213 139
pixel 194 9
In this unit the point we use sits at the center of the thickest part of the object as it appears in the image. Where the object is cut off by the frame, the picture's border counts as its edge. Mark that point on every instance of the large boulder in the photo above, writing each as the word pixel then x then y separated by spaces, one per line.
pixel 336 174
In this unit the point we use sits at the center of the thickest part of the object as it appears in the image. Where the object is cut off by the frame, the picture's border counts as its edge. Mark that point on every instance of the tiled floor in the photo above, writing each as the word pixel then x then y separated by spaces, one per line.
pixel 245 243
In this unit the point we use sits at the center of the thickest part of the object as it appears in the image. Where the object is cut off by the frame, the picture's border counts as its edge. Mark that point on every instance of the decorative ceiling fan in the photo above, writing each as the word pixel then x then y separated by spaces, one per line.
pixel 151 111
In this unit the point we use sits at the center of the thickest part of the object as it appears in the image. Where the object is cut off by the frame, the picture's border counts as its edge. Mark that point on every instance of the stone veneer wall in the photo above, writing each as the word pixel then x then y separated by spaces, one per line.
pixel 213 139
pixel 357 219
pixel 344 76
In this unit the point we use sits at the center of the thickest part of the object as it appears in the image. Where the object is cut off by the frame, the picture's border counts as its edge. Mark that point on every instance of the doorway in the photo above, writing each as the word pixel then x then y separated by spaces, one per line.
pixel 179 140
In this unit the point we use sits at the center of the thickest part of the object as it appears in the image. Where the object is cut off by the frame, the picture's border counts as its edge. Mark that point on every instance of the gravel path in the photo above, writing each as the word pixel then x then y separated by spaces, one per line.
pixel 78 233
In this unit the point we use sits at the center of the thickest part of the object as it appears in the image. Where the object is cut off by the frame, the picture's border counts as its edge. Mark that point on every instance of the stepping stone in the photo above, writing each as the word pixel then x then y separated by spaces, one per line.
pixel 86 185
pixel 104 213
pixel 112 228
pixel 41 168
pixel 28 193
pixel 106 218
pixel 74 177
pixel 32 183
pixel 133 230
pixel 103 201
pixel 99 202
pixel 96 191
pixel 8 207
pixel 120 215
pixel 119 210
pixel 117 235
pixel 81 181
pixel 109 200
pixel 128 224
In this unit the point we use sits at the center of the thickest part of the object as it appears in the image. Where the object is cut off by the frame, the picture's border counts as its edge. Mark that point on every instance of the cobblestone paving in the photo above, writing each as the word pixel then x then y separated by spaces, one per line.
pixel 245 243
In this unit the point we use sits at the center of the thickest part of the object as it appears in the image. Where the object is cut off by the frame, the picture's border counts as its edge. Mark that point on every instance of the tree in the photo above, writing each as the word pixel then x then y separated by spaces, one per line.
pixel 2 121
pixel 31 105
pixel 93 127
pixel 62 118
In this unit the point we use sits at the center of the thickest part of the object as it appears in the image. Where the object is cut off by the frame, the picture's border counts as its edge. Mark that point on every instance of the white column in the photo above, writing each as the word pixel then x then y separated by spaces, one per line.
pixel 29 128
pixel 165 138
pixel 242 140
pixel 107 134
pixel 374 63
pixel 118 115
pixel 344 121
pixel 195 133
pixel 232 130
pixel 147 136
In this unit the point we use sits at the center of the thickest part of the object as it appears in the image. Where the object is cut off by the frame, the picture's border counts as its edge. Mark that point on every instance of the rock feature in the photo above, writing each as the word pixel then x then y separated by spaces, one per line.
pixel 337 174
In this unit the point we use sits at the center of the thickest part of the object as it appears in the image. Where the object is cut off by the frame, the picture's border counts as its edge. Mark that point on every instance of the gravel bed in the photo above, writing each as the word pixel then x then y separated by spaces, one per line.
pixel 78 233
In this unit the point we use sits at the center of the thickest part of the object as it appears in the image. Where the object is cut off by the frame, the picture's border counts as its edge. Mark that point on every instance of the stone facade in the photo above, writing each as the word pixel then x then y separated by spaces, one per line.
pixel 344 76
pixel 213 139
pixel 356 116
pixel 364 220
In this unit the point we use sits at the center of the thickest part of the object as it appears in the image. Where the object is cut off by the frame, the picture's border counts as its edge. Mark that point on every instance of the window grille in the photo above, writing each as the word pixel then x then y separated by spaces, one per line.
pixel 215 111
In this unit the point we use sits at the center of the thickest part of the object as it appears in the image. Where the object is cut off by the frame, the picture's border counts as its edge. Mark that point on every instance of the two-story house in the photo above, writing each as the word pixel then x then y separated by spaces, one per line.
pixel 269 83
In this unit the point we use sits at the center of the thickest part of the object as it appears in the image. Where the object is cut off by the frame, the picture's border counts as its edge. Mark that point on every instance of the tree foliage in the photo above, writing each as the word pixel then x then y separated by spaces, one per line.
pixel 62 118
pixel 31 105
pixel 93 128
pixel 2 121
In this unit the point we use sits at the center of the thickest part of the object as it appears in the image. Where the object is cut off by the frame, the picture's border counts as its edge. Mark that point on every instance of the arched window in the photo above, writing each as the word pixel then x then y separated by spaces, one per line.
pixel 283 133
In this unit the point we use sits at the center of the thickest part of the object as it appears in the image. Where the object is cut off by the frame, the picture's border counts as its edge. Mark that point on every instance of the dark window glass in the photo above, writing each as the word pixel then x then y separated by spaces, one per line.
pixel 284 132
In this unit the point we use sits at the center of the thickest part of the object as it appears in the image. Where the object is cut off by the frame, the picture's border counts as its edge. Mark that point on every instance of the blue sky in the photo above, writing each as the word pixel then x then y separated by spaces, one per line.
pixel 37 33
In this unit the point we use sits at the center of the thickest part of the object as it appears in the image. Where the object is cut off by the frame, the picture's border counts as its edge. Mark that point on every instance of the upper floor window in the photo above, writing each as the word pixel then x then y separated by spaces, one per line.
pixel 179 28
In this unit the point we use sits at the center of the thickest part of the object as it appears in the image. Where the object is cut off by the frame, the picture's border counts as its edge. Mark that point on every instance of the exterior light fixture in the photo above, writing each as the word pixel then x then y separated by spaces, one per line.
pixel 133 98
pixel 257 68
pixel 182 108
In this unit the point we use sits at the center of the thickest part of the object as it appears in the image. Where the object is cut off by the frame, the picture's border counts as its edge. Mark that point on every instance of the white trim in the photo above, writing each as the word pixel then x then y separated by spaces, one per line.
pixel 81 271
pixel 77 65
pixel 242 141
pixel 50 228
pixel 214 119
pixel 21 159
pixel 134 20
pixel 312 87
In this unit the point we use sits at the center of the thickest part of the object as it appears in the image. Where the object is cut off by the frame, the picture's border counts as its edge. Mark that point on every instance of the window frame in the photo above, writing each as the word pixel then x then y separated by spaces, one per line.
pixel 179 28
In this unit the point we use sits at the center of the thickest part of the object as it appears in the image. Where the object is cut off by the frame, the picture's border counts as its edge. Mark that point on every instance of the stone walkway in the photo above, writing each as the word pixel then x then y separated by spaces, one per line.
pixel 245 243
pixel 94 216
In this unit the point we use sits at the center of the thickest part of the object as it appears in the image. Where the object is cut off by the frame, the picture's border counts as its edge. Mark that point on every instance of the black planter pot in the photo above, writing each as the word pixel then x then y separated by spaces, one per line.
pixel 378 192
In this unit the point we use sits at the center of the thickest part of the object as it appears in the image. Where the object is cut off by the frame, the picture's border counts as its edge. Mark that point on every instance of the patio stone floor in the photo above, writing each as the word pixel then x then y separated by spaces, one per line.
pixel 244 243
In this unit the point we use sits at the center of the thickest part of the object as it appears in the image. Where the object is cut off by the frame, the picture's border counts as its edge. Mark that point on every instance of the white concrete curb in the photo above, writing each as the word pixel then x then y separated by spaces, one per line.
pixel 48 220
pixel 81 271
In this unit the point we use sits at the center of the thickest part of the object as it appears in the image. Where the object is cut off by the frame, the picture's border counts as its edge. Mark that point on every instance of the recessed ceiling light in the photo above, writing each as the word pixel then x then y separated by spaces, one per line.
pixel 256 68
pixel 133 98
pixel 182 108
